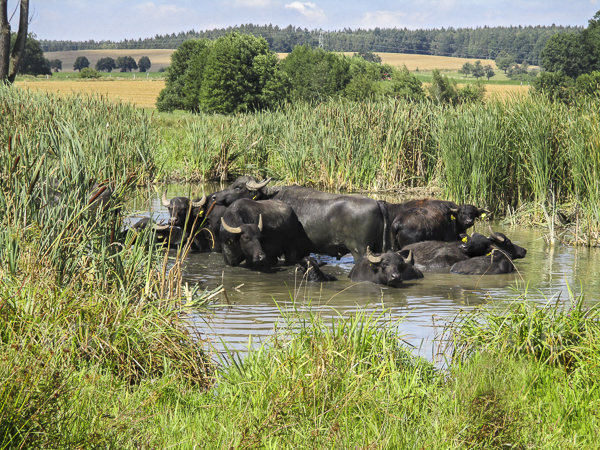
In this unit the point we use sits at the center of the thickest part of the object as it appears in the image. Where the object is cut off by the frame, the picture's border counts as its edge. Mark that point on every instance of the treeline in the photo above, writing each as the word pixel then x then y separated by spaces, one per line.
pixel 524 43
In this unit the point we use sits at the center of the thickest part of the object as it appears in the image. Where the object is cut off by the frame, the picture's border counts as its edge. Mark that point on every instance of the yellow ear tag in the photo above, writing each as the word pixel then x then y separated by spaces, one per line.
pixel 201 212
pixel 465 239
pixel 489 254
pixel 230 241
pixel 452 217
pixel 254 198
pixel 483 215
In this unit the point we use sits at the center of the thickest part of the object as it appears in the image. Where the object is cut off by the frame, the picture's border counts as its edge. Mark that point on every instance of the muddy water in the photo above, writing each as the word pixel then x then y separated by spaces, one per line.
pixel 256 300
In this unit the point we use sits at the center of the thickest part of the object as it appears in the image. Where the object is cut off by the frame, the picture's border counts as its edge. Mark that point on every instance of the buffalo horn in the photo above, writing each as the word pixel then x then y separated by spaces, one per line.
pixel 495 236
pixel 233 230
pixel 200 203
pixel 260 222
pixel 409 257
pixel 373 259
pixel 161 227
pixel 254 186
pixel 165 202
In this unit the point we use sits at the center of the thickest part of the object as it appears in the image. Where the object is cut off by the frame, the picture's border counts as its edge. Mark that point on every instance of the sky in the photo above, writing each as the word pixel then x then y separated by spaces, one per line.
pixel 80 20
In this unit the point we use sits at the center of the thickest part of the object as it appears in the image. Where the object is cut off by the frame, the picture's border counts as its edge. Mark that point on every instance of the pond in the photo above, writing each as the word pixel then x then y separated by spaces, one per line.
pixel 256 300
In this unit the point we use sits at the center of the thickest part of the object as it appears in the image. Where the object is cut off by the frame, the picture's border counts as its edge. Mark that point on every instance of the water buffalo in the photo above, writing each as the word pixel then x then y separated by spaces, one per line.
pixel 498 261
pixel 431 220
pixel 311 270
pixel 495 263
pixel 259 232
pixel 390 269
pixel 200 217
pixel 437 254
pixel 335 224
pixel 164 234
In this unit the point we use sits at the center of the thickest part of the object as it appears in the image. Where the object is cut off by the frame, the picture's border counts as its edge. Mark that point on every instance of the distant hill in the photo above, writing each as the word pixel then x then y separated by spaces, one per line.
pixel 524 43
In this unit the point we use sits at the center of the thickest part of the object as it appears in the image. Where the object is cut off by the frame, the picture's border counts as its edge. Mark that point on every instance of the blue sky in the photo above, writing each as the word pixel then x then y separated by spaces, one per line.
pixel 132 19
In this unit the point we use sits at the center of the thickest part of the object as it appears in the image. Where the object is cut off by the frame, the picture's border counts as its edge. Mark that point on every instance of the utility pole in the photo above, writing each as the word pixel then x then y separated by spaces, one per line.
pixel 321 39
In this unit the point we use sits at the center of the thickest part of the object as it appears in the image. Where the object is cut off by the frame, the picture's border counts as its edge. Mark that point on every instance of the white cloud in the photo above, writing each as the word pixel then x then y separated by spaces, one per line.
pixel 308 10
pixel 252 3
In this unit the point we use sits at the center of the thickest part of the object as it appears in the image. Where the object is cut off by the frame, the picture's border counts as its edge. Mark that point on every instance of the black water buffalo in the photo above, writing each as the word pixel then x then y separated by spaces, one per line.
pixel 165 234
pixel 498 261
pixel 259 232
pixel 431 220
pixel 390 269
pixel 335 224
pixel 437 254
pixel 200 217
pixel 311 270
pixel 494 263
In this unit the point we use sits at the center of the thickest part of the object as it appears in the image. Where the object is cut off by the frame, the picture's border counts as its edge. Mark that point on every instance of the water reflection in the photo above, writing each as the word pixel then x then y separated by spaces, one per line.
pixel 257 300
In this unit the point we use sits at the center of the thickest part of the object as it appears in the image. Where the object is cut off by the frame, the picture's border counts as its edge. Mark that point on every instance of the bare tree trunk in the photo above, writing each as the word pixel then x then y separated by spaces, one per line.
pixel 10 61
pixel 4 40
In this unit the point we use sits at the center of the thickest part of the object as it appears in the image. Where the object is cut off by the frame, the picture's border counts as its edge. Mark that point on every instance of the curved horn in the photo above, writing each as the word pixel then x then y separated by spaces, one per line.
pixel 495 236
pixel 260 222
pixel 409 258
pixel 165 202
pixel 254 186
pixel 199 204
pixel 373 259
pixel 161 227
pixel 233 230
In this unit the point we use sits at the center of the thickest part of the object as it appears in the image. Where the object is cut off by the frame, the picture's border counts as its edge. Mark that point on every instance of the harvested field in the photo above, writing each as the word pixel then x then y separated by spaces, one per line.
pixel 504 90
pixel 158 57
pixel 142 93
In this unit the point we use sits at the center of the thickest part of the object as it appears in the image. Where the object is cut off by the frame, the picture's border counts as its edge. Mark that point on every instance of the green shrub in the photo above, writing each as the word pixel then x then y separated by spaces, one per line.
pixel 87 72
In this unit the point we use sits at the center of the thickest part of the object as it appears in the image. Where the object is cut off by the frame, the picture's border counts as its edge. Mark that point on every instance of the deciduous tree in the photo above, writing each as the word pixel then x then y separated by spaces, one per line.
pixel 466 69
pixel 477 70
pixel 126 63
pixel 105 64
pixel 80 63
pixel 144 64
pixel 504 61
pixel 489 71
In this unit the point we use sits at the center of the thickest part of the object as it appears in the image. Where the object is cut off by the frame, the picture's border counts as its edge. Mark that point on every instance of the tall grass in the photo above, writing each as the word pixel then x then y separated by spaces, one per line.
pixel 83 310
pixel 518 154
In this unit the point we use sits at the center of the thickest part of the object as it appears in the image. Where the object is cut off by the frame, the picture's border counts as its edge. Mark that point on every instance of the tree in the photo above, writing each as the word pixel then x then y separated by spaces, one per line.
pixel 477 70
pixel 489 71
pixel 126 63
pixel 405 85
pixel 172 97
pixel 315 75
pixel 504 61
pixel 369 56
pixel 105 64
pixel 144 63
pixel 466 69
pixel 566 53
pixel 442 89
pixel 56 65
pixel 238 75
pixel 80 63
pixel 32 61
pixel 10 58
pixel 555 85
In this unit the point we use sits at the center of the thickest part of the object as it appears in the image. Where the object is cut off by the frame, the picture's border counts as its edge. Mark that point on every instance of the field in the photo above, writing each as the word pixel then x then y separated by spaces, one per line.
pixel 141 93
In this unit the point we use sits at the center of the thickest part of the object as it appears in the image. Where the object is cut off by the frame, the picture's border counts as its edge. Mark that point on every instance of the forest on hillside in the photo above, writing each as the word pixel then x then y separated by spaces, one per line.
pixel 523 43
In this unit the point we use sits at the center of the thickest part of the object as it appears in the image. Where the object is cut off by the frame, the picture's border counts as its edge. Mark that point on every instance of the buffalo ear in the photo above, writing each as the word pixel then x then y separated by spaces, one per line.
pixel 408 256
pixel 483 213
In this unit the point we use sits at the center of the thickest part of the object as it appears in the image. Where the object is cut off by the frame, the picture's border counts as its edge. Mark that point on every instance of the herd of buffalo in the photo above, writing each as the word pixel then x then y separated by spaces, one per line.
pixel 390 243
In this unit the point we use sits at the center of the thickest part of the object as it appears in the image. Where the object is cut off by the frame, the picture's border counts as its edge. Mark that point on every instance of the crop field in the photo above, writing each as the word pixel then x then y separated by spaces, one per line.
pixel 141 93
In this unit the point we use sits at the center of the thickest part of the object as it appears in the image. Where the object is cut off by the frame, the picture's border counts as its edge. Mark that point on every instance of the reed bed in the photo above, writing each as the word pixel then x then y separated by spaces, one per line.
pixel 521 154
pixel 84 314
